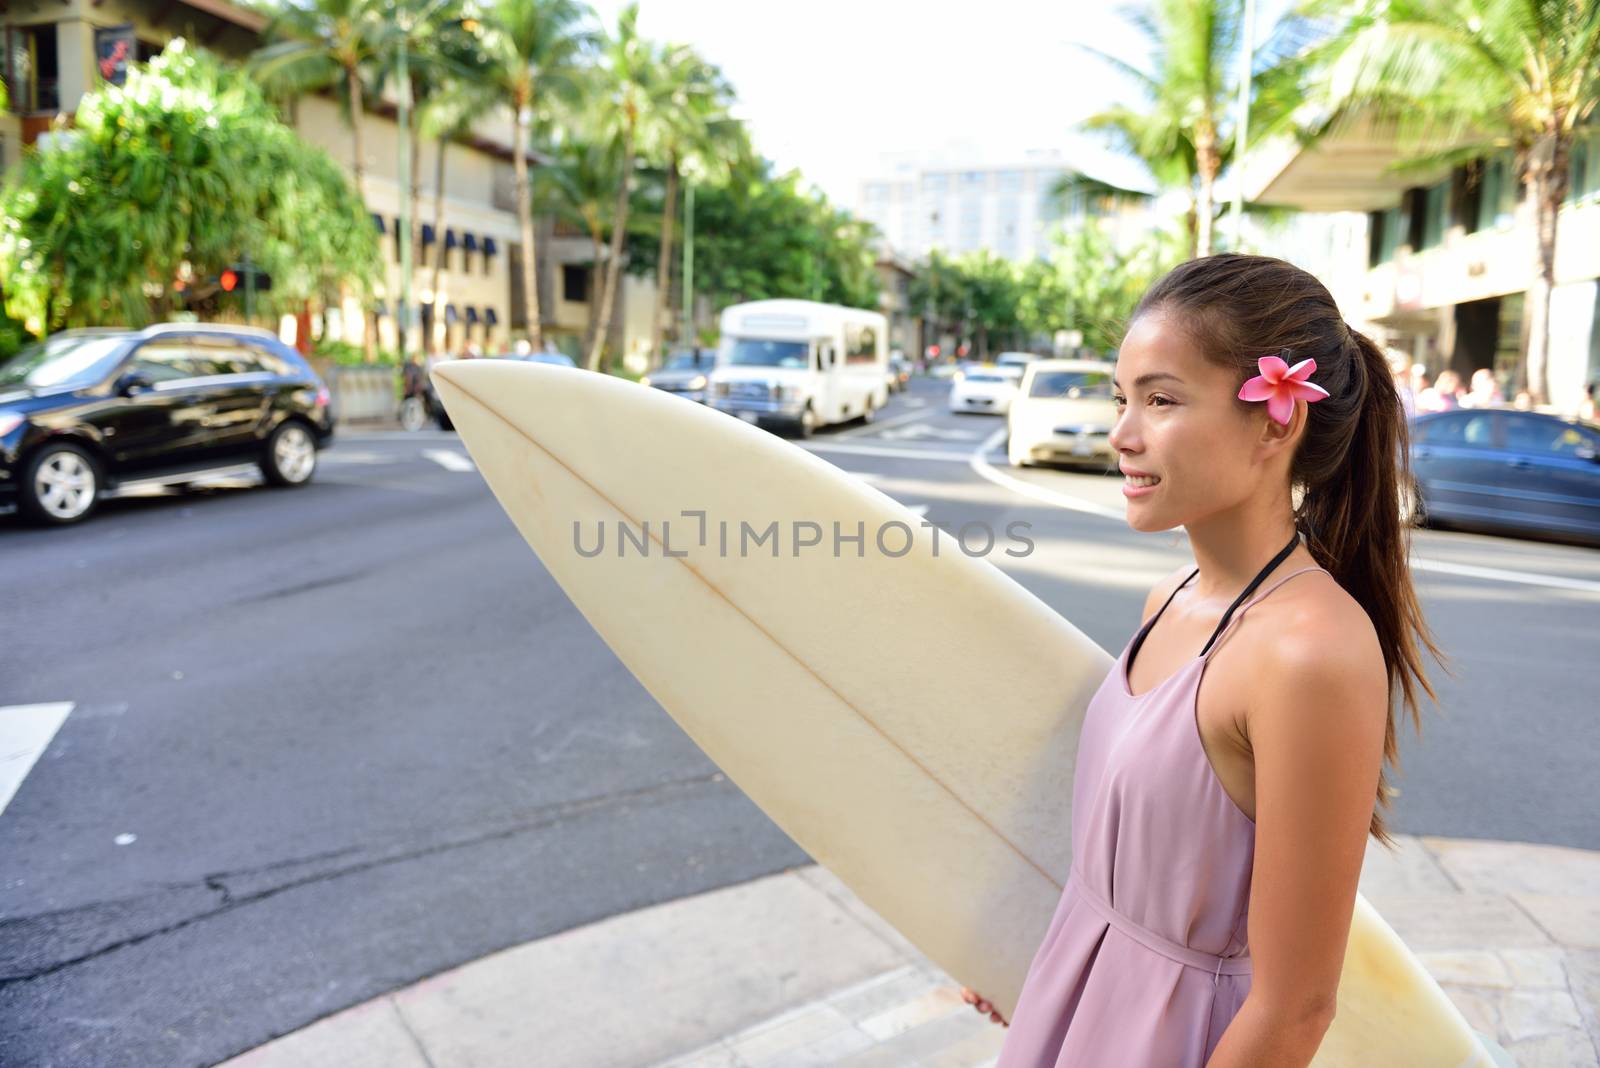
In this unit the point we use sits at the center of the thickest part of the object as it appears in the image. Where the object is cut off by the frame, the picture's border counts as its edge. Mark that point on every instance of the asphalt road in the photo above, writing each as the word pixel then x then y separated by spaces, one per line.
pixel 324 742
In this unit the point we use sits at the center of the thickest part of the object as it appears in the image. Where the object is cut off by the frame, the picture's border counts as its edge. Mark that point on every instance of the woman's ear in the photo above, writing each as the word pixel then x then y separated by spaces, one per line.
pixel 1277 437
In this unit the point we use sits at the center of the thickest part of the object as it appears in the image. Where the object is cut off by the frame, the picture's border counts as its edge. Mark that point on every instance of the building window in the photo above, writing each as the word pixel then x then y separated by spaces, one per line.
pixel 489 250
pixel 1497 194
pixel 1387 228
pixel 1584 177
pixel 32 70
pixel 574 283
pixel 1009 181
pixel 936 184
pixel 1435 214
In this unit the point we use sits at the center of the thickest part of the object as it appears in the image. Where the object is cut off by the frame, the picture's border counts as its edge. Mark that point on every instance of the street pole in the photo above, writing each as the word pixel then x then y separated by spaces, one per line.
pixel 249 290
pixel 688 338
pixel 403 309
pixel 1242 141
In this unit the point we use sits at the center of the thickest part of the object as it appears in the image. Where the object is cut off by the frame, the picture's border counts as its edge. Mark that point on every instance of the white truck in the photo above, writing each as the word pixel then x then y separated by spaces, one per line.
pixel 799 365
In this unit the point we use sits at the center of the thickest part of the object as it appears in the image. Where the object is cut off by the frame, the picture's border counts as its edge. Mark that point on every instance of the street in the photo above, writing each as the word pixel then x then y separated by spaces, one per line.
pixel 324 742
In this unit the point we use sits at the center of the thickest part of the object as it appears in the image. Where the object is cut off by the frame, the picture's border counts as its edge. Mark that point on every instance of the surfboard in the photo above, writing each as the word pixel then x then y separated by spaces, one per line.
pixel 905 711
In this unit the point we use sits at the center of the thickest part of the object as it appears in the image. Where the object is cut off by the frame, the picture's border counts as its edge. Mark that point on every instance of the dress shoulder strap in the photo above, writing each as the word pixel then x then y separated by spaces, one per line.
pixel 1228 624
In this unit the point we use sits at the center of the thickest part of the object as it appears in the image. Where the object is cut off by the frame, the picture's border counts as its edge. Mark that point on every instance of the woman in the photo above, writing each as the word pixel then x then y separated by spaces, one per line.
pixel 1230 767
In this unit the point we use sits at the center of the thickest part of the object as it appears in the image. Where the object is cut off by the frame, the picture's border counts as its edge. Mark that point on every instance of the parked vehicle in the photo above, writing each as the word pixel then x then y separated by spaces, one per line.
pixel 899 373
pixel 983 388
pixel 686 373
pixel 1064 413
pixel 1502 470
pixel 800 365
pixel 89 412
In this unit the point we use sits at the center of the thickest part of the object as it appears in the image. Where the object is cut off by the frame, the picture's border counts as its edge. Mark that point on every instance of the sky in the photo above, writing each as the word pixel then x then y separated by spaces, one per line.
pixel 842 89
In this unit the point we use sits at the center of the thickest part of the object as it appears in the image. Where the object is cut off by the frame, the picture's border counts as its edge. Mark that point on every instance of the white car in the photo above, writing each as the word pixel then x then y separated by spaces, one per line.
pixel 982 389
pixel 1063 413
pixel 1018 360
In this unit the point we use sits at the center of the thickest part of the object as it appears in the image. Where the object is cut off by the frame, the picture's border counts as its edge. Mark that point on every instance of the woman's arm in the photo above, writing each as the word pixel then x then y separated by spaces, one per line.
pixel 1316 720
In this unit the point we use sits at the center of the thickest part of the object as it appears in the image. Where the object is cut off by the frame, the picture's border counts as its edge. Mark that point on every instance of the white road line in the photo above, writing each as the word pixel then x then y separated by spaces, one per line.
pixel 940 455
pixel 25 733
pixel 918 509
pixel 874 427
pixel 450 460
pixel 1495 574
pixel 984 469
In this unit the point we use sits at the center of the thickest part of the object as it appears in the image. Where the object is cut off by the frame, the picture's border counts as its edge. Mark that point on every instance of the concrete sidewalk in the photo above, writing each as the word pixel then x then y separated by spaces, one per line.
pixel 793 970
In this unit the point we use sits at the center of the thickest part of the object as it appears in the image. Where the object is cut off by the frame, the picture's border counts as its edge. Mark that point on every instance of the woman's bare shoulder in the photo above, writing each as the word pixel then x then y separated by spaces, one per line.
pixel 1313 632
pixel 1163 589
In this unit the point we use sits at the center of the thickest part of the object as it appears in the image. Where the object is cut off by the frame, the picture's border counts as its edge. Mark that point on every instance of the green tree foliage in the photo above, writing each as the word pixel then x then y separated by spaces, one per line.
pixel 762 236
pixel 1089 284
pixel 186 166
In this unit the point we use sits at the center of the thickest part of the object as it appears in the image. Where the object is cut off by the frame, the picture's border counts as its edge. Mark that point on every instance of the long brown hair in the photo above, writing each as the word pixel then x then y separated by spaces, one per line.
pixel 1352 464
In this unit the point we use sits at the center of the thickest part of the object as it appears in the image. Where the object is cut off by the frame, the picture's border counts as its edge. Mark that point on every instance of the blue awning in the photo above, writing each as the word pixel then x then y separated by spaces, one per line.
pixel 490 317
pixel 472 314
pixel 449 239
pixel 427 234
pixel 450 313
pixel 469 242
pixel 377 220
pixel 489 248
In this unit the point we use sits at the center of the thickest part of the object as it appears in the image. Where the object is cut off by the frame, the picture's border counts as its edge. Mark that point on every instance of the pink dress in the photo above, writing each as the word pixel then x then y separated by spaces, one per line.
pixel 1145 962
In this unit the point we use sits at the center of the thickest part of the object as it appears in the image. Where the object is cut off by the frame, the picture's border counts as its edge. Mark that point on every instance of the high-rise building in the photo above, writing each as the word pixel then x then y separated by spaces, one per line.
pixel 1009 209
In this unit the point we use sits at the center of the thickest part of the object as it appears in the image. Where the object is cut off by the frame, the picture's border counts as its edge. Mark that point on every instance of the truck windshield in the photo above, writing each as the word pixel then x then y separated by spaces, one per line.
pixel 754 352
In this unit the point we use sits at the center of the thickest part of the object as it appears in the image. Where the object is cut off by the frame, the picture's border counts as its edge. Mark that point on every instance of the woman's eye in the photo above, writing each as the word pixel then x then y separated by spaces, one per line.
pixel 1120 400
pixel 1160 400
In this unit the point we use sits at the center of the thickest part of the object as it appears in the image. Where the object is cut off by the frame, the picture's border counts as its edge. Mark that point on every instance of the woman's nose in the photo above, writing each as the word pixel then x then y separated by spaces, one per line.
pixel 1124 433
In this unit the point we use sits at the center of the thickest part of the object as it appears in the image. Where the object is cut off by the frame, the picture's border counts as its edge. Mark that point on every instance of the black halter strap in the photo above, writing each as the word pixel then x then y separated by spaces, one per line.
pixel 1261 576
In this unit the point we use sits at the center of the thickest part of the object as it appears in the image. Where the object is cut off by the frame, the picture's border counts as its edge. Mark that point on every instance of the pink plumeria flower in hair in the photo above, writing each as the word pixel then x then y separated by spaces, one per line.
pixel 1281 385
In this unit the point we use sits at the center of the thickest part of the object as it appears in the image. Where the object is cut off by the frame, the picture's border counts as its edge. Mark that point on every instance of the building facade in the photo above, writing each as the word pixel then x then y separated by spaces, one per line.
pixel 52 52
pixel 1439 263
pixel 1008 209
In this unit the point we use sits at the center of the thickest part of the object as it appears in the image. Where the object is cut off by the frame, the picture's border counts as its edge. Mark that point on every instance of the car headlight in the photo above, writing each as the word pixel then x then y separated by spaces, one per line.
pixel 644 380
pixel 9 421
pixel 697 382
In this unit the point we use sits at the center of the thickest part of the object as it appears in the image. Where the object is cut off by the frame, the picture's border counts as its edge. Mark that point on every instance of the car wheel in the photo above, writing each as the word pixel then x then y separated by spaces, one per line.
pixel 443 420
pixel 870 412
pixel 808 422
pixel 60 485
pixel 413 414
pixel 291 455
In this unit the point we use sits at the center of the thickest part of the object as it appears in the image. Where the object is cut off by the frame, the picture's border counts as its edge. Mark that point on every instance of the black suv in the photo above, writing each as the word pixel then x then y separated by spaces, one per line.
pixel 87 411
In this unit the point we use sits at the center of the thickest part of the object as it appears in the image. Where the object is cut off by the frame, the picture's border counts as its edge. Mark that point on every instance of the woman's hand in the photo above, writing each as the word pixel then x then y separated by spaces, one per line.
pixel 971 997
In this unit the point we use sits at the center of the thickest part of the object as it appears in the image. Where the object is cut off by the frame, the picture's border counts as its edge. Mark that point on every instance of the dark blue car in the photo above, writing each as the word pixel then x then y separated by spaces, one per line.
pixel 1510 471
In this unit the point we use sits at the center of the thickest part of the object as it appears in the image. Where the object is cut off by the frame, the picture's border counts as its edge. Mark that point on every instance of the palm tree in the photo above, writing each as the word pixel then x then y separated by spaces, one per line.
pixel 324 44
pixel 534 55
pixel 579 184
pixel 698 132
pixel 1181 135
pixel 1480 76
pixel 630 83
pixel 425 43
pixel 327 44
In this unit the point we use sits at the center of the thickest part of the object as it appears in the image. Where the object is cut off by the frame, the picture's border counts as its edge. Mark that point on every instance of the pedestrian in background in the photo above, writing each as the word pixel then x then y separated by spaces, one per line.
pixel 1443 396
pixel 1401 368
pixel 1485 392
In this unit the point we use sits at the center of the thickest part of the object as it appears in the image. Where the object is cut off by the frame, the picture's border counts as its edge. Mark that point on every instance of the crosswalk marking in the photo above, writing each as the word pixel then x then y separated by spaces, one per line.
pixel 450 460
pixel 25 733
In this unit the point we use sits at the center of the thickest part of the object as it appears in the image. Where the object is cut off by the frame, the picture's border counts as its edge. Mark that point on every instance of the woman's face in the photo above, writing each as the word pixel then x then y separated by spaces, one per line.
pixel 1180 425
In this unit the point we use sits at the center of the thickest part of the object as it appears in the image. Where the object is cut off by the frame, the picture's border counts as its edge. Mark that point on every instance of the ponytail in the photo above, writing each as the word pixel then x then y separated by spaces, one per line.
pixel 1356 529
pixel 1352 464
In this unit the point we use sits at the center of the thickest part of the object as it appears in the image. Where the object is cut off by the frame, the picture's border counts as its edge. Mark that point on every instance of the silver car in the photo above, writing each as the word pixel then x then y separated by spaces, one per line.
pixel 684 373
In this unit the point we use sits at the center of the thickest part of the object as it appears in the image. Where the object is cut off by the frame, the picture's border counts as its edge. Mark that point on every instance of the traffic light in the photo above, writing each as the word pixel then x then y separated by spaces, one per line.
pixel 241 276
